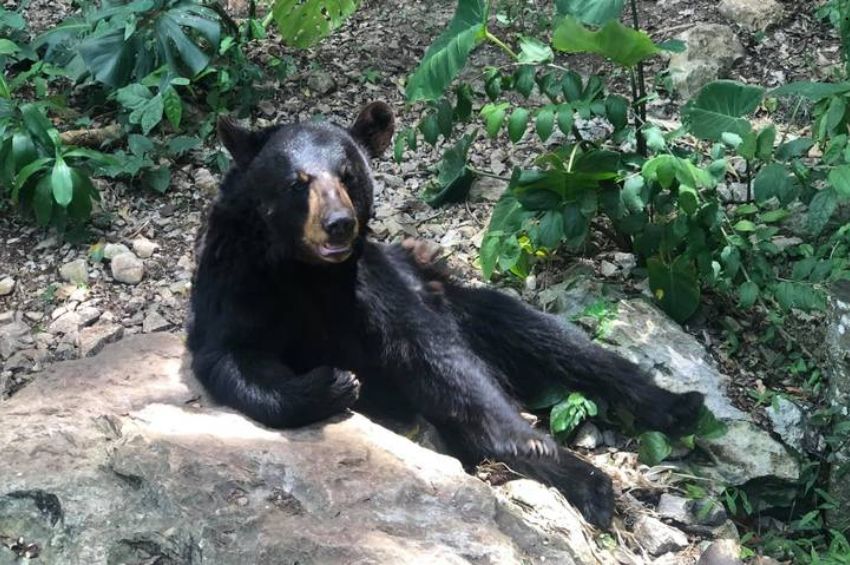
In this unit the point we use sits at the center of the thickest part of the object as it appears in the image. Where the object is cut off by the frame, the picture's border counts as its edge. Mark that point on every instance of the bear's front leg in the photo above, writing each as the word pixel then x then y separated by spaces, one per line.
pixel 263 388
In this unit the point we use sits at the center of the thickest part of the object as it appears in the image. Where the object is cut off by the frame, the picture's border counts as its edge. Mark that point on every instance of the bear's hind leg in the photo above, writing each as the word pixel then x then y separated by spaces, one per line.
pixel 534 349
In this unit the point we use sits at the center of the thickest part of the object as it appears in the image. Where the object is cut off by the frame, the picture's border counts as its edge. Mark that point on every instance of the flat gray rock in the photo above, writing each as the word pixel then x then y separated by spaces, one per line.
pixel 118 459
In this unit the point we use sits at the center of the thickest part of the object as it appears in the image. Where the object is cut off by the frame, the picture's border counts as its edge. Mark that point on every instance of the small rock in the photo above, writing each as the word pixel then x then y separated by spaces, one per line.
pixel 181 288
pixel 7 285
pixel 154 322
pixel 722 552
pixel 754 15
pixel 75 272
pixel 789 421
pixel 127 268
pixel 185 263
pixel 321 82
pixel 112 250
pixel 205 181
pixel 588 436
pixel 608 269
pixel 13 337
pixel 92 340
pixel 711 51
pixel 144 247
pixel 34 316
pixel 67 323
pixel 487 189
pixel 657 537
pixel 88 315
pixel 675 508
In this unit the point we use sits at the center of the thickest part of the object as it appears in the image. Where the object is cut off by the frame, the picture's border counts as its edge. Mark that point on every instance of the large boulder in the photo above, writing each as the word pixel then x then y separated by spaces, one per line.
pixel 753 15
pixel 117 458
pixel 711 50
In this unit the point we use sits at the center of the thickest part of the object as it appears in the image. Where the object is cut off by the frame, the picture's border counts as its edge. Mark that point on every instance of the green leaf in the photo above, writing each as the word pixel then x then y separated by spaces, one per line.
pixel 592 12
pixel 42 202
pixel 490 249
pixel 80 207
pixel 835 113
pixel 180 144
pixel 430 129
pixel 149 115
pixel 494 116
pixel 632 193
pixel 158 179
pixel 839 179
pixel 745 226
pixel 675 286
pixel 8 47
pixel 534 51
pixel 655 138
pixel 173 106
pixel 111 57
pixel 545 122
pixel 38 125
pixel 747 294
pixel 463 108
pixel 719 107
pixel 517 124
pixel 614 41
pixel 764 144
pixel 551 229
pixel 524 80
pixel 774 180
pixel 654 448
pixel 617 110
pixel 821 208
pixel 688 199
pixel 445 117
pixel 794 148
pixel 303 23
pixel 30 169
pixel 565 118
pixel 448 54
pixel 453 176
pixel 62 183
pixel 180 51
pixel 812 90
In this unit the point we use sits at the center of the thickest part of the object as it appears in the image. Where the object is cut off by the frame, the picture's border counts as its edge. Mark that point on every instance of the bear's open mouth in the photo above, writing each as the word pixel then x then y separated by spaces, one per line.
pixel 330 250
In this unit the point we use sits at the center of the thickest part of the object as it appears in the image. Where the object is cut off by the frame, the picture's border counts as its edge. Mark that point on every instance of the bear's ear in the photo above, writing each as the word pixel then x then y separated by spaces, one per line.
pixel 374 127
pixel 242 143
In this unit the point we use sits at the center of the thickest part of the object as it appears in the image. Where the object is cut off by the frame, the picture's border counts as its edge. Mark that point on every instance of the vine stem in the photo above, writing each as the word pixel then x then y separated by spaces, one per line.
pixel 639 91
pixel 487 174
pixel 501 44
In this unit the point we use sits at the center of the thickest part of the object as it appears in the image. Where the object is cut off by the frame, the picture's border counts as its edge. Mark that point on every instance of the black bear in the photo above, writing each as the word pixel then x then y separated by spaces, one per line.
pixel 290 301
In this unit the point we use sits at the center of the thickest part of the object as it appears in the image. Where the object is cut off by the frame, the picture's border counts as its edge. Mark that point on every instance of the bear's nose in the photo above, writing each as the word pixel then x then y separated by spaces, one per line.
pixel 339 226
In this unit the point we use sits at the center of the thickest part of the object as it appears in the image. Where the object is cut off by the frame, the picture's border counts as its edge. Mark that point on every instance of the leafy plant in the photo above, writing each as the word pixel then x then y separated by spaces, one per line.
pixel 122 42
pixel 302 23
pixel 42 175
pixel 566 415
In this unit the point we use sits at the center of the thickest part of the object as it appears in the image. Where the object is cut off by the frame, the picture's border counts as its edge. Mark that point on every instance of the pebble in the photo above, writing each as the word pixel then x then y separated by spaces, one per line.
pixel 112 250
pixel 67 323
pixel 657 537
pixel 7 285
pixel 88 315
pixel 75 271
pixel 722 552
pixel 154 322
pixel 127 268
pixel 91 340
pixel 205 181
pixel 588 436
pixel 144 247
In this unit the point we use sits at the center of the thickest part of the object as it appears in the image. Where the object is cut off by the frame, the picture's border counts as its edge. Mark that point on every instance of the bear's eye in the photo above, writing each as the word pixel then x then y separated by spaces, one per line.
pixel 300 182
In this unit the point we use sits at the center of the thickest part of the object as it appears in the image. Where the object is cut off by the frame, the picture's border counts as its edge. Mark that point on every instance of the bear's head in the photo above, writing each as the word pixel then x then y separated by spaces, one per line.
pixel 309 183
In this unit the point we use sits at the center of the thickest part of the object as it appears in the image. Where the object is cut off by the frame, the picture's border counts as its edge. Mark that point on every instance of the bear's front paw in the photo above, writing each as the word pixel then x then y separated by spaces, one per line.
pixel 424 252
pixel 344 390
pixel 593 495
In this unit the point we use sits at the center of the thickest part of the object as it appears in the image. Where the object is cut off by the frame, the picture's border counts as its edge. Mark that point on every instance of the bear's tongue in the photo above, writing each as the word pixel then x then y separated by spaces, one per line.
pixel 328 249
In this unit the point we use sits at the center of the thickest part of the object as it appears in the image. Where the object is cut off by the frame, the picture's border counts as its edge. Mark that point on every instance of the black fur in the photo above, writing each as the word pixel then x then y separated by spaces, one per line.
pixel 279 334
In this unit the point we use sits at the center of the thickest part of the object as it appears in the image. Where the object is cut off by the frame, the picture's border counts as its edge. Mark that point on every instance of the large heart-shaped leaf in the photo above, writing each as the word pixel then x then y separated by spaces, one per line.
pixel 614 41
pixel 812 90
pixel 110 57
pixel 593 12
pixel 302 23
pixel 719 108
pixel 448 54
